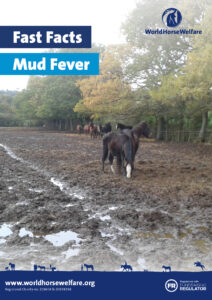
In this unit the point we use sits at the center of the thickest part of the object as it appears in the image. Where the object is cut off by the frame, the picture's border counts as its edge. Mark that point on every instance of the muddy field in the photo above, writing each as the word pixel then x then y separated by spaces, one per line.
pixel 58 208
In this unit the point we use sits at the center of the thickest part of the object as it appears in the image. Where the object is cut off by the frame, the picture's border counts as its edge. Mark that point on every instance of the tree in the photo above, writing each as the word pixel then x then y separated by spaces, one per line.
pixel 49 100
pixel 155 56
pixel 196 79
pixel 107 96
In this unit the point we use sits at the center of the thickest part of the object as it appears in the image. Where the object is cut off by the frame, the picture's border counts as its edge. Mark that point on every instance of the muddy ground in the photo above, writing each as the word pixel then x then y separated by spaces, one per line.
pixel 58 208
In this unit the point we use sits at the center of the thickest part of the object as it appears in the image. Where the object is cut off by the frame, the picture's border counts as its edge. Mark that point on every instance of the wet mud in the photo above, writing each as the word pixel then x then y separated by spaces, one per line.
pixel 57 207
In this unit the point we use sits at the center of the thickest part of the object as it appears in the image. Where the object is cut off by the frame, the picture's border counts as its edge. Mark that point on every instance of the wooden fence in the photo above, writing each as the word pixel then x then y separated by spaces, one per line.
pixel 181 136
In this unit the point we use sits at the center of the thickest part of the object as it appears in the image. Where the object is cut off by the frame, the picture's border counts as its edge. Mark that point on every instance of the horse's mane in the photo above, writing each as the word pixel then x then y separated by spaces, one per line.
pixel 137 130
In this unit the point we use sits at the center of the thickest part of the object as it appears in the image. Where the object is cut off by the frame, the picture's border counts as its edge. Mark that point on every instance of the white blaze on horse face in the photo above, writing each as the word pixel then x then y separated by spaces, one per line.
pixel 112 168
pixel 129 169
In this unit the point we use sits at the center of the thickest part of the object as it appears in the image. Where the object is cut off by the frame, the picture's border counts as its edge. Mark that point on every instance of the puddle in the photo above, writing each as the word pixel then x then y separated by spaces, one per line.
pixel 100 216
pixel 71 252
pixel 103 234
pixel 105 218
pixel 36 190
pixel 22 203
pixel 24 232
pixel 114 249
pixel 63 237
pixel 67 190
pixel 113 207
pixel 69 205
pixel 5 230
pixel 123 231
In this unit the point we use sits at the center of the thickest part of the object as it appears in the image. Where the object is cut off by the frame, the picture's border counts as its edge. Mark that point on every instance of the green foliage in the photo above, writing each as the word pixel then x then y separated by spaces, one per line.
pixel 48 98
pixel 8 115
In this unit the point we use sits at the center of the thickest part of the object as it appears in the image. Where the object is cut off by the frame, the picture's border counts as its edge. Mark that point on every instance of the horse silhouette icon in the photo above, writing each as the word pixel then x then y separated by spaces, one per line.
pixel 91 267
pixel 199 264
pixel 126 267
pixel 166 268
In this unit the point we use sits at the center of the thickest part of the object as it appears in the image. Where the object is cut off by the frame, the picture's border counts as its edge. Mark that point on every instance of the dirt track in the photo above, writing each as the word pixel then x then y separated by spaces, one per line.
pixel 57 207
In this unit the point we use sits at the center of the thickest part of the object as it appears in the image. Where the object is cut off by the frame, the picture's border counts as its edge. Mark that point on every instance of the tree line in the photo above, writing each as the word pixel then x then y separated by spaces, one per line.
pixel 165 80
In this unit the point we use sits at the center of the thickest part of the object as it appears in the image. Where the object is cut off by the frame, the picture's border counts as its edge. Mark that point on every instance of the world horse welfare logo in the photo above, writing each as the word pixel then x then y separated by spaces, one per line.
pixel 171 285
pixel 172 17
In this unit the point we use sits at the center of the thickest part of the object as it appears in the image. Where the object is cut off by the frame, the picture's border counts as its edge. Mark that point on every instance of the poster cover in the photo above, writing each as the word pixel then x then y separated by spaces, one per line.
pixel 105 149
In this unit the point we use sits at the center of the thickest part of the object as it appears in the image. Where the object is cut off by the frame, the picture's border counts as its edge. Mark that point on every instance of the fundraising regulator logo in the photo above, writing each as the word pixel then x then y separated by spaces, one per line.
pixel 171 285
pixel 172 18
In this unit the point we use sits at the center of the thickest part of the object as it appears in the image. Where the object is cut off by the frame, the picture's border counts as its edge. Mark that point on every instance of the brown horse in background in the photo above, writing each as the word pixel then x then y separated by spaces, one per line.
pixel 79 129
pixel 93 131
pixel 86 129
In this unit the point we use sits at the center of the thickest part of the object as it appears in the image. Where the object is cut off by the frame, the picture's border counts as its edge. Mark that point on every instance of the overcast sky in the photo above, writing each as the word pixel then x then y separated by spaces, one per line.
pixel 105 17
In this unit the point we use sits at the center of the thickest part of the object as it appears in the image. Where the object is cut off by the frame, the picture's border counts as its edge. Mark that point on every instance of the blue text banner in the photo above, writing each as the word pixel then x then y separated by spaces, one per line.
pixel 45 36
pixel 49 63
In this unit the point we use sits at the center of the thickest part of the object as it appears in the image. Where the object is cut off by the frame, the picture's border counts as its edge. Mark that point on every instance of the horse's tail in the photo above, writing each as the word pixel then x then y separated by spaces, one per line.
pixel 129 156
pixel 129 150
pixel 105 141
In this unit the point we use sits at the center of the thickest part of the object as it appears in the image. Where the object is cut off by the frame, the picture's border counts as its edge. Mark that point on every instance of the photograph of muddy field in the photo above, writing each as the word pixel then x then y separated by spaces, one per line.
pixel 58 209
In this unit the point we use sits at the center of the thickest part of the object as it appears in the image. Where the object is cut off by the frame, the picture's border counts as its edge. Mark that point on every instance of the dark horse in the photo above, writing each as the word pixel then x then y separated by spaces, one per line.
pixel 106 128
pixel 124 146
pixel 122 126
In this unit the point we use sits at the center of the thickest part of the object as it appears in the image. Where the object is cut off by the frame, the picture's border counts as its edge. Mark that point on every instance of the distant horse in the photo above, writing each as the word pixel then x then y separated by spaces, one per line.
pixel 99 131
pixel 12 266
pixel 166 268
pixel 42 268
pixel 124 146
pixel 86 129
pixel 122 126
pixel 89 267
pixel 126 267
pixel 198 264
pixel 79 129
pixel 52 268
pixel 93 131
pixel 106 128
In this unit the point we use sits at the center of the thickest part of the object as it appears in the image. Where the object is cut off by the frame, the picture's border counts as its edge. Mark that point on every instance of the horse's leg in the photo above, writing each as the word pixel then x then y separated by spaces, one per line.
pixel 122 164
pixel 111 157
pixel 132 165
pixel 104 155
pixel 127 152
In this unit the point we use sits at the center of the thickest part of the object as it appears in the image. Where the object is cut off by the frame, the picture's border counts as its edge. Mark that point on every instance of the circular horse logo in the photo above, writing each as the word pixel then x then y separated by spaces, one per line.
pixel 172 17
pixel 171 285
